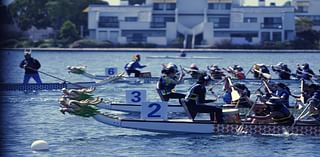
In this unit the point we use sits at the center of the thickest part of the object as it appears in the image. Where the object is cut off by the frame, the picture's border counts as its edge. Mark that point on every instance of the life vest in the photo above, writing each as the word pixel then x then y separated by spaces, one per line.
pixel 128 66
pixel 240 75
pixel 166 85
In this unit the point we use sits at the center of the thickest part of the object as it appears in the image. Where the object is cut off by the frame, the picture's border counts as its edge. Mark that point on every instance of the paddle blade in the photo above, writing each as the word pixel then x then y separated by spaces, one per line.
pixel 235 95
pixel 266 75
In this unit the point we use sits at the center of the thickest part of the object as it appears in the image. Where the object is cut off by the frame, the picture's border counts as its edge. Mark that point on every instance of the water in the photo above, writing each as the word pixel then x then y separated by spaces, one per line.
pixel 32 116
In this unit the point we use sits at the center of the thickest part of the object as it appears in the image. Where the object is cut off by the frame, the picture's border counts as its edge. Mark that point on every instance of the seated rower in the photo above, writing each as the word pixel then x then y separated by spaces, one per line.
pixel 216 72
pixel 260 110
pixel 309 90
pixel 244 92
pixel 312 116
pixel 279 114
pixel 132 66
pixel 307 73
pixel 283 71
pixel 193 71
pixel 168 81
pixel 236 71
pixel 258 70
pixel 196 99
pixel 78 94
pixel 283 92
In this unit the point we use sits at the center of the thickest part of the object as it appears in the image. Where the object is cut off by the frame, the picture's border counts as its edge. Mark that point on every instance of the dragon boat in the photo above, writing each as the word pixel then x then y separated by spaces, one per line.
pixel 184 125
pixel 179 57
pixel 81 70
pixel 56 86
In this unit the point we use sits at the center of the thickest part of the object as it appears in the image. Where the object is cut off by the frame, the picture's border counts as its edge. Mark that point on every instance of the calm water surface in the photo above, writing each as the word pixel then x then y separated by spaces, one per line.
pixel 32 116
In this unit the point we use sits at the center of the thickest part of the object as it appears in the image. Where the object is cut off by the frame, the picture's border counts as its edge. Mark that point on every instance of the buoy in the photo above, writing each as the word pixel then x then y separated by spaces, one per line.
pixel 39 145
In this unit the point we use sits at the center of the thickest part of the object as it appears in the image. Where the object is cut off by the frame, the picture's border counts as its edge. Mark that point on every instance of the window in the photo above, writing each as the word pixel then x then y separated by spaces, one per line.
pixel 276 36
pixel 158 6
pixel 160 21
pixel 170 6
pixel 131 19
pixel 272 23
pixel 220 22
pixel 265 36
pixel 219 6
pixel 108 22
pixel 250 20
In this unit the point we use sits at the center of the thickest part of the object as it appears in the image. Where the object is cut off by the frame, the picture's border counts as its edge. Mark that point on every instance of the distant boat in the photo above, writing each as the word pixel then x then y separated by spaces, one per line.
pixel 179 57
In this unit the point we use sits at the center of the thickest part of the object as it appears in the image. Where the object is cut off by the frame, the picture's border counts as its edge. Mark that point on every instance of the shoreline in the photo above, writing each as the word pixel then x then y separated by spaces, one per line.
pixel 174 50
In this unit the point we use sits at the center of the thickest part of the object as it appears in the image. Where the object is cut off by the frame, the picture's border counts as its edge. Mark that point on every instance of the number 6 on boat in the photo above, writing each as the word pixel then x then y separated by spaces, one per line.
pixel 136 96
pixel 110 71
pixel 154 111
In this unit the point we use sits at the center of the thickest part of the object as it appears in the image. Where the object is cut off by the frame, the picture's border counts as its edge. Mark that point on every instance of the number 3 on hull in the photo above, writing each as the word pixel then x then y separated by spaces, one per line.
pixel 154 111
pixel 136 96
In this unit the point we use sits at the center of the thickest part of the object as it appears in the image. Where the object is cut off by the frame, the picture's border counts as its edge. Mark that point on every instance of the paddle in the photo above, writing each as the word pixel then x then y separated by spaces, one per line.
pixel 265 75
pixel 55 77
pixel 234 93
pixel 111 78
pixel 240 129
pixel 249 70
pixel 301 114
pixel 181 74
pixel 302 91
pixel 267 86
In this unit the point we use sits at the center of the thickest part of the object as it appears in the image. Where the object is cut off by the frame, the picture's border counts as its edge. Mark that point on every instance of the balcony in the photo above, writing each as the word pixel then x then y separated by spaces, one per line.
pixel 158 25
pixel 271 26
pixel 221 25
pixel 108 25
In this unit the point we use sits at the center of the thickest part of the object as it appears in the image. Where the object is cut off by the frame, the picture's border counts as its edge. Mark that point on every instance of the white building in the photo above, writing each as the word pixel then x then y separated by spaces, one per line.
pixel 195 22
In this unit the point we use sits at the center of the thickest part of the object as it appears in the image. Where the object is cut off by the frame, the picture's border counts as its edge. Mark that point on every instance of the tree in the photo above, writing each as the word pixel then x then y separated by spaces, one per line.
pixel 303 24
pixel 68 32
pixel 50 13
pixel 28 13
pixel 133 2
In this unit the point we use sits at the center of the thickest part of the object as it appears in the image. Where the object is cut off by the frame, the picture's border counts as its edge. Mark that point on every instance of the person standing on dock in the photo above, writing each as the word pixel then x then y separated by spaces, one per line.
pixel 132 66
pixel 31 67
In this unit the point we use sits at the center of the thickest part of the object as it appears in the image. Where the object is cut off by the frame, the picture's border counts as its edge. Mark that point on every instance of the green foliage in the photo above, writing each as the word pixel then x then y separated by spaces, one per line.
pixel 86 43
pixel 308 39
pixel 303 24
pixel 132 2
pixel 69 32
pixel 50 13
pixel 30 12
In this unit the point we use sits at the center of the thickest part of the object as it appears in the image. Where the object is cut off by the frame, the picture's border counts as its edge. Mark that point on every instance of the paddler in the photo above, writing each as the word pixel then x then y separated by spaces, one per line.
pixel 132 66
pixel 283 71
pixel 168 81
pixel 258 70
pixel 278 113
pixel 215 72
pixel 312 116
pixel 196 100
pixel 193 70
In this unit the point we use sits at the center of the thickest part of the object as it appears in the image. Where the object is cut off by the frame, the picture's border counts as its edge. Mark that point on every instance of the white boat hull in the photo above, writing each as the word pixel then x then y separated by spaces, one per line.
pixel 204 126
